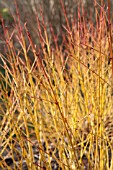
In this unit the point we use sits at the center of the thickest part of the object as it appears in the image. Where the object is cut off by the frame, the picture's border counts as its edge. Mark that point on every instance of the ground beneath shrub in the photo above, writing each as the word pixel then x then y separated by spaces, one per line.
pixel 7 159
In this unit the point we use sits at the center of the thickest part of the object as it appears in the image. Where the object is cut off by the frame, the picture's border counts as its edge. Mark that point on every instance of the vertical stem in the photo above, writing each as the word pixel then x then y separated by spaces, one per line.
pixel 110 37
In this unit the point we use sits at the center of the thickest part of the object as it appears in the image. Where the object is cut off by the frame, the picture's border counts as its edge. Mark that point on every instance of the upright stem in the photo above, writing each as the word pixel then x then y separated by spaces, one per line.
pixel 110 37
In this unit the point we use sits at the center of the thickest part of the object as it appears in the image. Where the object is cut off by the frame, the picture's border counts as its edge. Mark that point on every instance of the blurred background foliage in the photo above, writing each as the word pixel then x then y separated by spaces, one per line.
pixel 4 13
pixel 52 12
